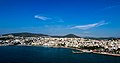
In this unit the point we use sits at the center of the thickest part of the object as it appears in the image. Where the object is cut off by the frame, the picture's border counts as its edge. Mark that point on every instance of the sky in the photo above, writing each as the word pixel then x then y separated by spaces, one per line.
pixel 93 18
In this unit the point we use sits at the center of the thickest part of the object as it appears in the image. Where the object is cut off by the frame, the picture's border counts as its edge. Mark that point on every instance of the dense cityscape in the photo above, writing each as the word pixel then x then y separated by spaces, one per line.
pixel 108 47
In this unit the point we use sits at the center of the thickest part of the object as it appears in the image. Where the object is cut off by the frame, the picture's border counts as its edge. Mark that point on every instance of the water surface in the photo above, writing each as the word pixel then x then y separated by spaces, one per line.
pixel 30 54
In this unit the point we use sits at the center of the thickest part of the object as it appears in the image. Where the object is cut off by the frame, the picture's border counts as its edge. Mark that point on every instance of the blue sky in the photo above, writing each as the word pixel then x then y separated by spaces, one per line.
pixel 96 18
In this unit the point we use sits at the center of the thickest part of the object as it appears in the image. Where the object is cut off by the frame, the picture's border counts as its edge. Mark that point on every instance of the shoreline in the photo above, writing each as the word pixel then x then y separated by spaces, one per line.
pixel 85 51
pixel 110 54
pixel 101 53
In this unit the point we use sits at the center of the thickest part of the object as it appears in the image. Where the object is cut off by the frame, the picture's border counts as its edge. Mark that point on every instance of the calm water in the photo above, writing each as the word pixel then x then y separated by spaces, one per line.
pixel 23 54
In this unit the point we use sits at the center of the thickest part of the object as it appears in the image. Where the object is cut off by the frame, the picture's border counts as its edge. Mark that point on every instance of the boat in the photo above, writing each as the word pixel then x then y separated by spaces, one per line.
pixel 76 52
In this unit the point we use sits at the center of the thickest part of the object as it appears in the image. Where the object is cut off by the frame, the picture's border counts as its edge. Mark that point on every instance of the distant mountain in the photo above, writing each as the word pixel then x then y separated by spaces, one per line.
pixel 67 36
pixel 57 36
pixel 25 34
pixel 71 36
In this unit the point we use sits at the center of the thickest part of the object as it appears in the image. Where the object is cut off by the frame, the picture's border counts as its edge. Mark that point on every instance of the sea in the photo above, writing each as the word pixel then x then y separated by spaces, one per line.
pixel 38 54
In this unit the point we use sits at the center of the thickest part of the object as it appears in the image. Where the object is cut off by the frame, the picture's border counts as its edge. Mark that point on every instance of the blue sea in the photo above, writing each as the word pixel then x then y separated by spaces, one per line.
pixel 31 54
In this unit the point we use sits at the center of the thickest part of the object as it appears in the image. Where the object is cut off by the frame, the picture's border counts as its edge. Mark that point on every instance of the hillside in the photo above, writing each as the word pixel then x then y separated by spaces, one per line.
pixel 25 34
pixel 67 36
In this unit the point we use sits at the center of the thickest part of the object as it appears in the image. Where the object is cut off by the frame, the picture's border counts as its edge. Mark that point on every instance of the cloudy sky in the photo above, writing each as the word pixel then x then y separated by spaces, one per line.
pixel 96 18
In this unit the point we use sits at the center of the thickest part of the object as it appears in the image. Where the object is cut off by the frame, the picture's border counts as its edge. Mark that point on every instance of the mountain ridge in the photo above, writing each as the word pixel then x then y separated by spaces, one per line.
pixel 26 34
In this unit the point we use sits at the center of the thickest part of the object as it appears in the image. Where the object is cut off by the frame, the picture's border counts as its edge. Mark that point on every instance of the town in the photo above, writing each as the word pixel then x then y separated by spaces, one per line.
pixel 110 47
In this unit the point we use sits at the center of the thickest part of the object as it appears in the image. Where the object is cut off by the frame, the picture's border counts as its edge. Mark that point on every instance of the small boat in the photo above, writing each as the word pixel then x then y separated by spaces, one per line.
pixel 76 52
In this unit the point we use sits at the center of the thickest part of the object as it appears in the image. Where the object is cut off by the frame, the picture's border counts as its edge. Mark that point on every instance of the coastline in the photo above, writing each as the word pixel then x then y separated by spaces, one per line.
pixel 85 51
pixel 102 53
pixel 110 54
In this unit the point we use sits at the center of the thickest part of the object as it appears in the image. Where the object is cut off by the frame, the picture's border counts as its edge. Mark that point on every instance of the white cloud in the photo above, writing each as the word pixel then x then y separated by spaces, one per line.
pixel 41 17
pixel 88 26
pixel 52 20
